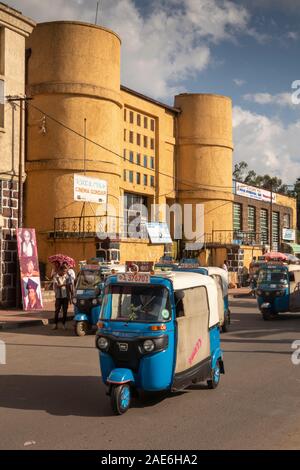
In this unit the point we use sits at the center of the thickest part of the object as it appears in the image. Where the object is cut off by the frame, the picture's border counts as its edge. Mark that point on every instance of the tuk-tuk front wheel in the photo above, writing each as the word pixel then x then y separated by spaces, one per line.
pixel 215 376
pixel 225 326
pixel 267 314
pixel 120 398
pixel 81 328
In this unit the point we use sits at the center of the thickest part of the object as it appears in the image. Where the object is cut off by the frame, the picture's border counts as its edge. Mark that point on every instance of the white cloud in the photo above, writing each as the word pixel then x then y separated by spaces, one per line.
pixel 293 35
pixel 279 99
pixel 239 82
pixel 267 145
pixel 161 48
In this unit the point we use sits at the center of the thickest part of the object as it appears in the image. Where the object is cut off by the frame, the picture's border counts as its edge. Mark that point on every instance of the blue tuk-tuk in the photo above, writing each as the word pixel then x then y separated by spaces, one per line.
pixel 278 289
pixel 88 295
pixel 158 332
pixel 221 278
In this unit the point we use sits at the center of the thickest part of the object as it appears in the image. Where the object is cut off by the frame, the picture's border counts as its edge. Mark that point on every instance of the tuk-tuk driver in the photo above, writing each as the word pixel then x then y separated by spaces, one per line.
pixel 148 307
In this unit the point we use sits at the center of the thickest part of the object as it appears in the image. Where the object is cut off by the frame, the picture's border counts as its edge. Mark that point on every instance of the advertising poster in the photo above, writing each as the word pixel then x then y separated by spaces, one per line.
pixel 29 269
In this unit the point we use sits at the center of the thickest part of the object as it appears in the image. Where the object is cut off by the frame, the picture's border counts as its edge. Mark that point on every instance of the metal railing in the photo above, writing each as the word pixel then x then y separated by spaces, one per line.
pixel 236 237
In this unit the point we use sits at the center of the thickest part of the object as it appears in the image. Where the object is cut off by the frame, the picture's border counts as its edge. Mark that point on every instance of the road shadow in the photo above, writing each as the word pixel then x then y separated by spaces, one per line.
pixel 46 330
pixel 83 396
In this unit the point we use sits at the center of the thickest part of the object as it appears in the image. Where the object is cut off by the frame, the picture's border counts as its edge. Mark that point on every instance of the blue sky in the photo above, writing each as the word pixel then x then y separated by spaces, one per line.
pixel 246 49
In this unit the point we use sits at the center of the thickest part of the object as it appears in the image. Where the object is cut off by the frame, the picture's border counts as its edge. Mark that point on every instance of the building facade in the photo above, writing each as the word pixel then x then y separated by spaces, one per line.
pixel 81 120
pixel 14 28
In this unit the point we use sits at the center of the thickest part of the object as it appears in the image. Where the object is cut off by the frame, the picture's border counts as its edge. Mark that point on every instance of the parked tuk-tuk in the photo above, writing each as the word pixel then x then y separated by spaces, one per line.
pixel 88 295
pixel 278 289
pixel 220 276
pixel 158 332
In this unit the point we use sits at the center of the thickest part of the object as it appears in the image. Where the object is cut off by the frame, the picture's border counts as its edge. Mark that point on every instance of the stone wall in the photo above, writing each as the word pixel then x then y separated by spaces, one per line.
pixel 8 279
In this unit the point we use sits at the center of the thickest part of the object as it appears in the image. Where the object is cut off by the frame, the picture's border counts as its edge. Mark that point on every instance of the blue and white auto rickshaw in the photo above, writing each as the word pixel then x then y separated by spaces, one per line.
pixel 278 289
pixel 220 276
pixel 158 332
pixel 87 299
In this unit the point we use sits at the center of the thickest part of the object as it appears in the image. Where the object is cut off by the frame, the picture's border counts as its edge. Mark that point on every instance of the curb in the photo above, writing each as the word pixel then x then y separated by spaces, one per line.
pixel 7 325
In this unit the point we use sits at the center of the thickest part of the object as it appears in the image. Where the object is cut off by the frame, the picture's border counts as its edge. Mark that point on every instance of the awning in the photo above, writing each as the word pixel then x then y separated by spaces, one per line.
pixel 295 248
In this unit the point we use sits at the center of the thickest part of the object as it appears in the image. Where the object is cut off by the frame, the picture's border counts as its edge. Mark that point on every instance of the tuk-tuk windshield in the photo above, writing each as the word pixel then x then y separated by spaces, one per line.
pixel 138 303
pixel 275 276
pixel 89 279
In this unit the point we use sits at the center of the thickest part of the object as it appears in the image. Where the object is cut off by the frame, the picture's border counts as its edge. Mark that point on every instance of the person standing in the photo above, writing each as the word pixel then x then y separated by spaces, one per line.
pixel 63 287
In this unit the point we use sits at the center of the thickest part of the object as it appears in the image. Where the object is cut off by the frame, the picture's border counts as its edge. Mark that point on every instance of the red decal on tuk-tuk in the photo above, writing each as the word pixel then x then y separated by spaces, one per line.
pixel 195 351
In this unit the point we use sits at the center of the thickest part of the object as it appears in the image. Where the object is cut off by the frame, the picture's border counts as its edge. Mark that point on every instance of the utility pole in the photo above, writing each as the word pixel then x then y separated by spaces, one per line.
pixel 271 218
pixel 20 100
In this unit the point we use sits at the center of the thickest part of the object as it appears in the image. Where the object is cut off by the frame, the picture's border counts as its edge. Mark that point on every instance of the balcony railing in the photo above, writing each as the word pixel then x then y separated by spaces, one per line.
pixel 236 237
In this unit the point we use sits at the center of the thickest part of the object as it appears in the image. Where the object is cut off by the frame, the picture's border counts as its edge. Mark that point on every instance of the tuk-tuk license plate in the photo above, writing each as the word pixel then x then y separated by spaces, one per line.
pixel 141 278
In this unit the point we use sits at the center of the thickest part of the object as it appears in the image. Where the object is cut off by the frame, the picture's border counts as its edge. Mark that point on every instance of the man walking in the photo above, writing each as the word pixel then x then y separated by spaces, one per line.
pixel 63 288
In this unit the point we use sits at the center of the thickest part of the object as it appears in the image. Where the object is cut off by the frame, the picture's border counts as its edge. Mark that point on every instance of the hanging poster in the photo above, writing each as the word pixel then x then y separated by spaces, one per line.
pixel 29 269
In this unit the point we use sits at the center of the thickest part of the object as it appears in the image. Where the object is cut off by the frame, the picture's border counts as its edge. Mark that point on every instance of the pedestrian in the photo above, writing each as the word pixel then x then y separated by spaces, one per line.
pixel 225 265
pixel 63 288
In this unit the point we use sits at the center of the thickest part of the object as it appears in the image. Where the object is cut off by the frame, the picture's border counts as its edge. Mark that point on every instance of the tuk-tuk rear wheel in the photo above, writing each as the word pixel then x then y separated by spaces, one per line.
pixel 120 398
pixel 215 377
pixel 81 328
pixel 225 326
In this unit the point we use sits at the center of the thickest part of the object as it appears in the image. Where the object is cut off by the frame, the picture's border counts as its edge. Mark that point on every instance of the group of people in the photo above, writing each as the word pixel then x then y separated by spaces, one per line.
pixel 63 278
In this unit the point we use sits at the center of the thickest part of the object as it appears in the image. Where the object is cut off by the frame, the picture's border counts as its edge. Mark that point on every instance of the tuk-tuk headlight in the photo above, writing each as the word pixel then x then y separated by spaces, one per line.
pixel 74 300
pixel 94 302
pixel 148 345
pixel 102 343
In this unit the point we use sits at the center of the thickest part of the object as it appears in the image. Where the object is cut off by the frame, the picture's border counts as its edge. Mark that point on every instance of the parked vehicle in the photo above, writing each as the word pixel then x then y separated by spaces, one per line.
pixel 278 289
pixel 88 295
pixel 158 333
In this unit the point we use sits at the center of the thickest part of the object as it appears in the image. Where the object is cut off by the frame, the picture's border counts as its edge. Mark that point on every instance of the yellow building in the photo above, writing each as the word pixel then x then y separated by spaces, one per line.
pixel 82 121
pixel 14 28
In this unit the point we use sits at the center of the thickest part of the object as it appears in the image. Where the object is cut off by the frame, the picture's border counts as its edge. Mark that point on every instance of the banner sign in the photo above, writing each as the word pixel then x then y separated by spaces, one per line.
pixel 252 192
pixel 158 232
pixel 288 234
pixel 29 269
pixel 88 189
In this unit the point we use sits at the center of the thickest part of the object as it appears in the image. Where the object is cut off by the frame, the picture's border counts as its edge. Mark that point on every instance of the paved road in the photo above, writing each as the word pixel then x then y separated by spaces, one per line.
pixel 52 397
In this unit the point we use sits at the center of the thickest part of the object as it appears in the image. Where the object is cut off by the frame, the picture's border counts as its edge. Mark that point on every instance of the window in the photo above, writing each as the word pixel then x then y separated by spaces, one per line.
pixel 286 221
pixel 125 114
pixel 131 117
pixel 138 178
pixel 237 217
pixel 251 219
pixel 145 180
pixel 135 209
pixel 124 154
pixel 145 122
pixel 264 232
pixel 138 158
pixel 145 141
pixel 275 231
pixel 138 139
pixel 152 124
pixel 152 181
pixel 130 176
pixel 1 103
pixel 138 119
pixel 125 135
pixel 131 137
pixel 145 161
pixel 131 156
pixel 124 175
pixel 152 163
pixel 152 144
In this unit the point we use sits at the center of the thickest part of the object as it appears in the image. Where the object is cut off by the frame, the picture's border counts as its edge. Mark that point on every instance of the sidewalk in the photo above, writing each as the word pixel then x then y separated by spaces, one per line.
pixel 15 318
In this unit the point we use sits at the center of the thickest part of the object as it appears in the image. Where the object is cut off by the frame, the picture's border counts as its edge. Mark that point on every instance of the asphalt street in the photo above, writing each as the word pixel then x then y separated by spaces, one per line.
pixel 52 397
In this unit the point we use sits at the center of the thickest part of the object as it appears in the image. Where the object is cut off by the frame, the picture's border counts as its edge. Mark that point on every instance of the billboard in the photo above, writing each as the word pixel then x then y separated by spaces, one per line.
pixel 29 269
pixel 288 234
pixel 158 232
pixel 88 189
pixel 252 192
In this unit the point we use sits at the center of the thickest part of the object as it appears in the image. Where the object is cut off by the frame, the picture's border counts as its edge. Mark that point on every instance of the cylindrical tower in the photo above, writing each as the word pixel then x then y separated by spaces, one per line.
pixel 204 162
pixel 73 75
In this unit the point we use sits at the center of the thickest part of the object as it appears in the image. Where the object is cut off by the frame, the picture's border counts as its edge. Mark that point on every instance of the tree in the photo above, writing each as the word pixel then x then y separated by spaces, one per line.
pixel 239 170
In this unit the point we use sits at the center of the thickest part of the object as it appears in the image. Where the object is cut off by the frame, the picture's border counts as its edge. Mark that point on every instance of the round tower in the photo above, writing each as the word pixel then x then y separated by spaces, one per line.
pixel 73 75
pixel 204 158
